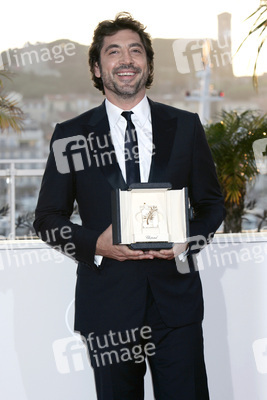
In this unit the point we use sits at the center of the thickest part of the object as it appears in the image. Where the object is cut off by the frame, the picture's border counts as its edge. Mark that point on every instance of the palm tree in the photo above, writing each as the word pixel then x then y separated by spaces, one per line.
pixel 10 114
pixel 231 141
pixel 259 26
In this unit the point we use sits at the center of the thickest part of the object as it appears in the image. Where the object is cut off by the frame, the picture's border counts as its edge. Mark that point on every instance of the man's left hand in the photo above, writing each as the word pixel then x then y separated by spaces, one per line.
pixel 169 254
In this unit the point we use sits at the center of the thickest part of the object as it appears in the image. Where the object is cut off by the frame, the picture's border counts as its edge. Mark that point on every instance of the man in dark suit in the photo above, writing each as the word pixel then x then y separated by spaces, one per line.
pixel 131 303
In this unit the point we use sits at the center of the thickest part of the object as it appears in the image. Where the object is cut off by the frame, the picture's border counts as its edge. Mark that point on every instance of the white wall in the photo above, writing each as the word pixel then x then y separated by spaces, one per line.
pixel 41 358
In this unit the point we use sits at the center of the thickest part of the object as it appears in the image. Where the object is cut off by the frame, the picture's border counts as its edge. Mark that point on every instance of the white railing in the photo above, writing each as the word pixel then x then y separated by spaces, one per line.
pixel 11 173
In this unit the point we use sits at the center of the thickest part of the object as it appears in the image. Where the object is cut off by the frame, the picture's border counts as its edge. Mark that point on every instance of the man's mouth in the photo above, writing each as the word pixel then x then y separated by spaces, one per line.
pixel 126 73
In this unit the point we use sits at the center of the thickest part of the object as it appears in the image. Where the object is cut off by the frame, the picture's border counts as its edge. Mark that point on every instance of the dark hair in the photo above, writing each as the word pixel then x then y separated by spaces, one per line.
pixel 122 21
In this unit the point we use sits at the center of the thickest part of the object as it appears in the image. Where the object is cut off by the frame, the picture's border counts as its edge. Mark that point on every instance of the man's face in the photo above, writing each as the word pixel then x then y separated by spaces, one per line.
pixel 123 65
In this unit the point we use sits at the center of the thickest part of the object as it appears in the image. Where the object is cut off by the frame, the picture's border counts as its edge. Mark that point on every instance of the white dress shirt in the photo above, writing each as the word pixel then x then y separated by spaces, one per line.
pixel 141 118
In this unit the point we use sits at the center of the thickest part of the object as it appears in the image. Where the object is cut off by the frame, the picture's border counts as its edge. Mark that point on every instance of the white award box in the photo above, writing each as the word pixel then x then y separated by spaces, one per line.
pixel 150 216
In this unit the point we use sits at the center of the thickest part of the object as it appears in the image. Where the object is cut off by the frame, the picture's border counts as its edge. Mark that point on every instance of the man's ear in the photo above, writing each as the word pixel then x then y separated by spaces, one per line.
pixel 97 70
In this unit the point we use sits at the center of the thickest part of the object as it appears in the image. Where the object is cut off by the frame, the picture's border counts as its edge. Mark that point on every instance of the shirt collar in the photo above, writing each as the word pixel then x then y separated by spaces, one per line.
pixel 141 112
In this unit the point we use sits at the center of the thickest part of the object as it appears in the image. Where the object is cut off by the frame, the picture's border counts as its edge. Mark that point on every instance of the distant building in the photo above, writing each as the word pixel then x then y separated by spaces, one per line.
pixel 64 106
pixel 36 109
pixel 29 144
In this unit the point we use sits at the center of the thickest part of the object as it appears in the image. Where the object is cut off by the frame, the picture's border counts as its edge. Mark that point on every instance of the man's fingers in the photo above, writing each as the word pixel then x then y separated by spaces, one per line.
pixel 164 254
pixel 125 253
pixel 169 254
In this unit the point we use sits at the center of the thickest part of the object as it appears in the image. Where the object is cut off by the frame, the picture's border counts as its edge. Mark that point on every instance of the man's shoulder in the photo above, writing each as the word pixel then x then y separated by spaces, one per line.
pixel 83 119
pixel 170 111
pixel 80 124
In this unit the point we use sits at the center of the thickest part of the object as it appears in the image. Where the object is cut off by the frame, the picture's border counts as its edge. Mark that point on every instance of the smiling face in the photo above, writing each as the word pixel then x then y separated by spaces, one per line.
pixel 123 67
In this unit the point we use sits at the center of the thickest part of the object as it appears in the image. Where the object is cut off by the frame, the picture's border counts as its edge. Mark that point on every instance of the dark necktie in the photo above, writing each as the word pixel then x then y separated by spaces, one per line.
pixel 131 151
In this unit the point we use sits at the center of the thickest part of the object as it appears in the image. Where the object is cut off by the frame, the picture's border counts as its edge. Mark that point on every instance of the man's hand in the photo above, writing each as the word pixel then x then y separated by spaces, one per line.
pixel 169 254
pixel 105 248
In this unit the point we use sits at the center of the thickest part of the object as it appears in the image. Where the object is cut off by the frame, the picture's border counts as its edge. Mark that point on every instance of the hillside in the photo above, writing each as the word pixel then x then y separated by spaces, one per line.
pixel 61 67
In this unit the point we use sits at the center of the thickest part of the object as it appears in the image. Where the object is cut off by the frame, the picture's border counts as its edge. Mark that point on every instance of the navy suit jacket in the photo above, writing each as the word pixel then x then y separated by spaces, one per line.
pixel 114 295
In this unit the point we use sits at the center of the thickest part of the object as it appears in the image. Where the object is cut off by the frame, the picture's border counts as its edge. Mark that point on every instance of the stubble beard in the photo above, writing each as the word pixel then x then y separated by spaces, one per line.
pixel 124 90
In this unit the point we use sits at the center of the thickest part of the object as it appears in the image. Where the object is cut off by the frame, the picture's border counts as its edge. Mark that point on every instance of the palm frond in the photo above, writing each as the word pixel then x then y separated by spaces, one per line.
pixel 255 76
pixel 231 144
pixel 11 116
pixel 258 25
pixel 255 12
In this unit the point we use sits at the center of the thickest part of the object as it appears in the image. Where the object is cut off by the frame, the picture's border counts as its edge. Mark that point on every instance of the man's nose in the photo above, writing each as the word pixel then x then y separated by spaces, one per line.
pixel 126 57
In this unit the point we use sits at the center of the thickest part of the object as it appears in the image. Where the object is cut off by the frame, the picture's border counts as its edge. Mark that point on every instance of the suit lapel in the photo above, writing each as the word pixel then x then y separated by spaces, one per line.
pixel 102 148
pixel 163 130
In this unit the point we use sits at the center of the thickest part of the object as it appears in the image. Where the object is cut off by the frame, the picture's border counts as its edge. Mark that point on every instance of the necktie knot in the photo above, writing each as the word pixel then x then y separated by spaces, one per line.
pixel 127 115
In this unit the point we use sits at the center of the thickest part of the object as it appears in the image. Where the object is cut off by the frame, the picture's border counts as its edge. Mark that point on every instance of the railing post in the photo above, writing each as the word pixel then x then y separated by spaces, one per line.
pixel 11 173
pixel 12 200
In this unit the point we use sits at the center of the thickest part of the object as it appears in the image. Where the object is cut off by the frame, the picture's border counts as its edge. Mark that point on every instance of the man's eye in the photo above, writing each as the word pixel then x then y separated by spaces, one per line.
pixel 113 52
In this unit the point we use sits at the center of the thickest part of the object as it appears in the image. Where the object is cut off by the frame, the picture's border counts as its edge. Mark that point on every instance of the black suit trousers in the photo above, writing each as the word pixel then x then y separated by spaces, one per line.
pixel 175 357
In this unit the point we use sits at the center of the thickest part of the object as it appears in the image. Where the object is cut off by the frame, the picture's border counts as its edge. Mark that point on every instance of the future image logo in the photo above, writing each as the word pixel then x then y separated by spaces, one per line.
pixel 72 151
pixel 35 54
pixel 77 153
pixel 188 55
pixel 192 55
pixel 260 354
pixel 260 154
pixel 70 354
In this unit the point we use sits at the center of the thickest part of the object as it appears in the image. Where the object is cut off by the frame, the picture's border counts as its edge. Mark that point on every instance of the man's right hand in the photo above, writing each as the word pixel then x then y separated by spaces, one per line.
pixel 105 248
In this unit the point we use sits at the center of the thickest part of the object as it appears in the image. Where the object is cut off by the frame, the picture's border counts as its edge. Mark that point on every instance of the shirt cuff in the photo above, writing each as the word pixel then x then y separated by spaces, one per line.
pixel 183 255
pixel 98 260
